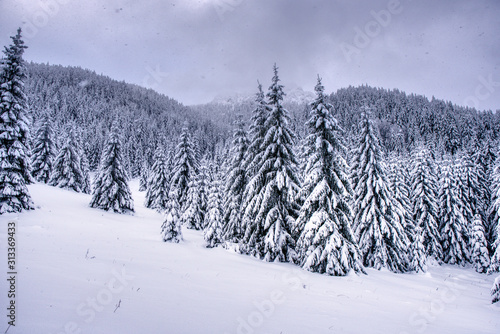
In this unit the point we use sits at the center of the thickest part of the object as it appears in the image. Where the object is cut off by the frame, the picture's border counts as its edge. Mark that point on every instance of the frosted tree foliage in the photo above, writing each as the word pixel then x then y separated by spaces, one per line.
pixel 14 131
pixel 425 204
pixel 111 191
pixel 257 133
pixel 452 223
pixel 194 214
pixel 495 291
pixel 171 227
pixel 186 165
pixel 157 192
pixel 67 172
pixel 417 255
pixel 236 182
pixel 378 217
pixel 495 214
pixel 480 256
pixel 43 152
pixel 270 212
pixel 213 218
pixel 326 243
pixel 469 189
pixel 399 185
pixel 84 166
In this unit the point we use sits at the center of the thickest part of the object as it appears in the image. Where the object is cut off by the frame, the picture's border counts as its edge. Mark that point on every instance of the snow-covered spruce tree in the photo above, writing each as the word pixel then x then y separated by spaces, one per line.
pixel 400 188
pixel 171 227
pixel 416 254
pixel 213 233
pixel 84 166
pixel 452 223
pixel 495 291
pixel 270 212
pixel 495 258
pixel 66 171
pixel 186 166
pixel 43 152
pixel 425 208
pixel 326 243
pixel 14 131
pixel 144 176
pixel 378 217
pixel 480 256
pixel 235 184
pixel 111 191
pixel 468 187
pixel 194 215
pixel 158 186
pixel 257 133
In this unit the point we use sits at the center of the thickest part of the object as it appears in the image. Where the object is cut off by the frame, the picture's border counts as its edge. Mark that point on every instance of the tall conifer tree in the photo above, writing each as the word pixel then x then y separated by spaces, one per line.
pixel 14 131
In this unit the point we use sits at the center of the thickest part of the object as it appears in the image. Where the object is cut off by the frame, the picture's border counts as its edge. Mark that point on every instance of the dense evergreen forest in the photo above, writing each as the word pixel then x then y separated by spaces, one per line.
pixel 362 177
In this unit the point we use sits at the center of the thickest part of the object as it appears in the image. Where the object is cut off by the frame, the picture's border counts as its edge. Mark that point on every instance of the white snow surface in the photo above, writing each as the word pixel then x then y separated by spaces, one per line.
pixel 69 257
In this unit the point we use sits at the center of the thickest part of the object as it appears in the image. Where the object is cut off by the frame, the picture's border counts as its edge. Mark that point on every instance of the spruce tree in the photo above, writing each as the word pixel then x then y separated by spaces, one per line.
pixel 326 243
pixel 495 291
pixel 66 172
pixel 452 223
pixel 270 211
pixel 157 191
pixel 495 259
pixel 111 191
pixel 144 176
pixel 84 166
pixel 213 218
pixel 417 255
pixel 480 257
pixel 469 190
pixel 401 191
pixel 14 131
pixel 378 220
pixel 257 133
pixel 194 215
pixel 171 227
pixel 43 153
pixel 425 208
pixel 236 182
pixel 185 165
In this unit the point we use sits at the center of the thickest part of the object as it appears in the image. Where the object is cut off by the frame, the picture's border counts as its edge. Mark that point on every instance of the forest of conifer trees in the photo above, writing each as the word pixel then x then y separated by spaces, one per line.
pixel 364 177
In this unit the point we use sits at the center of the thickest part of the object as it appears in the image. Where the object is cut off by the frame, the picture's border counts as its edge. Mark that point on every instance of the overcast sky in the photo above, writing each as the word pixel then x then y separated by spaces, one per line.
pixel 194 50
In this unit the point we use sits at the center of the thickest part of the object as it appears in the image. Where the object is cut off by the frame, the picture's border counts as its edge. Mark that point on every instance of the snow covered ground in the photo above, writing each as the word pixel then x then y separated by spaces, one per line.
pixel 82 270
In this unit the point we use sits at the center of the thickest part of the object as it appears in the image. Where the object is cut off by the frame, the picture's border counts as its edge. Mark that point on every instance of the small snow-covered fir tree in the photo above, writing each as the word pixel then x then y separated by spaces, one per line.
pixel 425 208
pixel 270 209
pixel 452 223
pixel 144 176
pixel 480 257
pixel 495 258
pixel 43 153
pixel 171 228
pixel 158 186
pixel 66 172
pixel 194 214
pixel 416 255
pixel 326 243
pixel 185 166
pixel 213 218
pixel 111 191
pixel 236 182
pixel 495 291
pixel 15 172
pixel 378 218
pixel 84 166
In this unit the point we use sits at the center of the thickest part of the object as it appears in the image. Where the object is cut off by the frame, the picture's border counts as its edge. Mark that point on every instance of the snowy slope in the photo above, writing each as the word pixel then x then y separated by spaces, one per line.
pixel 82 270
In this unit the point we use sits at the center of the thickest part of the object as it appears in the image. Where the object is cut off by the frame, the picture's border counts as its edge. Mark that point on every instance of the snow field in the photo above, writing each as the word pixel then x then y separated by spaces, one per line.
pixel 83 270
